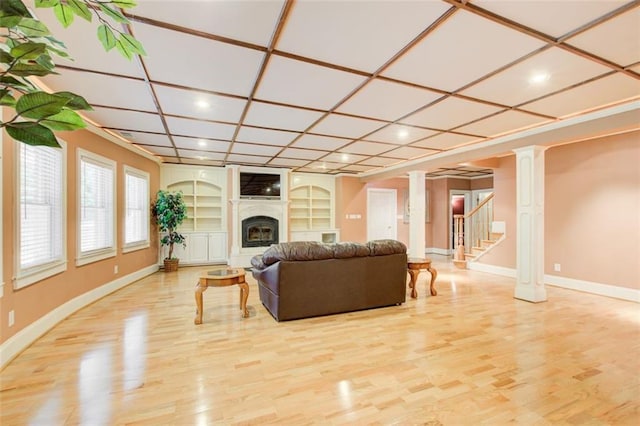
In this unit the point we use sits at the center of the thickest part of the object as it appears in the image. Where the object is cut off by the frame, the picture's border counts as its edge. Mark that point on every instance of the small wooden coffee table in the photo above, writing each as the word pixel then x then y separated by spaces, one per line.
pixel 414 265
pixel 222 278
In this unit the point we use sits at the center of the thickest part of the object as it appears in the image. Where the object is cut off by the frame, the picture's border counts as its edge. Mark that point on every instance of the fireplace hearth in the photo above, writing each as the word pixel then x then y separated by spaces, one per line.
pixel 259 231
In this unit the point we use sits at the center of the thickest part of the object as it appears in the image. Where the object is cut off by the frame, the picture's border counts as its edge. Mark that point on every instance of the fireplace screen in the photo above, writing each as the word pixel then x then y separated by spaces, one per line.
pixel 259 231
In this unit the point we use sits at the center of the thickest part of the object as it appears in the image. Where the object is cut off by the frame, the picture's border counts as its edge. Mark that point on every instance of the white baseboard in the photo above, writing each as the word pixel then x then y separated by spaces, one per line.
pixel 492 269
pixel 616 292
pixel 435 250
pixel 25 337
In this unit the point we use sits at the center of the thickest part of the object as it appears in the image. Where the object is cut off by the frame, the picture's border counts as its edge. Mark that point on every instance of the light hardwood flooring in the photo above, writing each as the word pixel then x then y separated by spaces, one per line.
pixel 471 355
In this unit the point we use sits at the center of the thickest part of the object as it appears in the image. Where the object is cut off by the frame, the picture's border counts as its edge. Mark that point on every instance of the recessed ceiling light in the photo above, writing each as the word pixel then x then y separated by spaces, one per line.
pixel 539 78
pixel 202 157
pixel 202 142
pixel 202 104
pixel 403 134
pixel 345 158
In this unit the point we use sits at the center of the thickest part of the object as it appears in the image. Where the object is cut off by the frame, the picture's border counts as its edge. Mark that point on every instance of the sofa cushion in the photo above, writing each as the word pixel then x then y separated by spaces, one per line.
pixel 386 247
pixel 297 250
pixel 349 249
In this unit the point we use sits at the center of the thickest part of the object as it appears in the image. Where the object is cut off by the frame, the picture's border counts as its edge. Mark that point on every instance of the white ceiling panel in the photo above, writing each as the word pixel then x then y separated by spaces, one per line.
pixel 97 89
pixel 198 62
pixel 201 144
pixel 304 84
pixel 502 123
pixel 201 155
pixel 556 68
pixel 320 142
pixel 450 113
pixel 253 149
pixel 160 150
pixel 342 157
pixel 251 159
pixel 408 152
pixel 617 40
pixel 324 165
pixel 347 127
pixel 380 161
pixel 287 162
pixel 399 100
pixel 358 168
pixel 191 103
pixel 147 138
pixel 264 136
pixel 399 134
pixel 202 129
pixel 129 120
pixel 280 117
pixel 554 18
pixel 258 18
pixel 303 154
pixel 348 27
pixel 445 141
pixel 366 148
pixel 588 96
pixel 449 59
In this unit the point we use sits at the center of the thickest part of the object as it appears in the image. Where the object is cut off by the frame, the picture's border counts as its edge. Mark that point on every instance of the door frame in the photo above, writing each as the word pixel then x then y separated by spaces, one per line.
pixel 394 224
pixel 467 209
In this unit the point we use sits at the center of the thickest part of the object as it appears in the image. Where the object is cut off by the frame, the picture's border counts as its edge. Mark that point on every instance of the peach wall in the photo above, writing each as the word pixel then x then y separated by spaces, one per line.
pixel 32 302
pixel 592 205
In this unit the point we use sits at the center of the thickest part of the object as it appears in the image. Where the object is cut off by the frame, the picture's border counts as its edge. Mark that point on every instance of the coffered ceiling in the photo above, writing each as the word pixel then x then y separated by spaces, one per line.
pixel 350 86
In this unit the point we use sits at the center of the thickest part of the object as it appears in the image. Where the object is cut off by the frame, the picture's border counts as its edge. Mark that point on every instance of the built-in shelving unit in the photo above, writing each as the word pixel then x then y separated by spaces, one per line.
pixel 311 208
pixel 204 205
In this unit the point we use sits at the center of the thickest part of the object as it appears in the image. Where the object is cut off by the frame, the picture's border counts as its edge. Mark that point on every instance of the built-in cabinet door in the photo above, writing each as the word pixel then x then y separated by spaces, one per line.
pixel 217 247
pixel 198 247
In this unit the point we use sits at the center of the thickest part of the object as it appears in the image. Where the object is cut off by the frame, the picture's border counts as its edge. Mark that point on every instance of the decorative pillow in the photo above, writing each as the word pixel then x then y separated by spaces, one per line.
pixel 385 247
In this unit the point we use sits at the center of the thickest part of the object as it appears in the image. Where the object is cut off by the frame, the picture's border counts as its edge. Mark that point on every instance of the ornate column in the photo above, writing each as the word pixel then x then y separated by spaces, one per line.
pixel 417 210
pixel 530 224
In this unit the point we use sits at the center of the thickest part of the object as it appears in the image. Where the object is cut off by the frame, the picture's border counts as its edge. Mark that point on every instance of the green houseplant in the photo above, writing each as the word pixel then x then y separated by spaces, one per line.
pixel 169 210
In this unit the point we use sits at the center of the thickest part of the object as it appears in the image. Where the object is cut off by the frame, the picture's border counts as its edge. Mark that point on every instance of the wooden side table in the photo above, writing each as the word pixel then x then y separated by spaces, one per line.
pixel 414 265
pixel 222 278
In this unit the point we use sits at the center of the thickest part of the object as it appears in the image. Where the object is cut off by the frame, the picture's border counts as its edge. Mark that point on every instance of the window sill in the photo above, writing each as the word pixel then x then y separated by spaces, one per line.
pixel 135 247
pixel 95 256
pixel 30 276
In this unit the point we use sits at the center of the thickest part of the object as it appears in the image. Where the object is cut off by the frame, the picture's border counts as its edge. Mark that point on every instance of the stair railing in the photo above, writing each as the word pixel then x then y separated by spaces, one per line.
pixel 478 223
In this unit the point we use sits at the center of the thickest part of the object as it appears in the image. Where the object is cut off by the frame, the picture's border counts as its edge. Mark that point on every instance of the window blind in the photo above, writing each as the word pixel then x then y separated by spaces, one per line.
pixel 41 197
pixel 96 205
pixel 136 224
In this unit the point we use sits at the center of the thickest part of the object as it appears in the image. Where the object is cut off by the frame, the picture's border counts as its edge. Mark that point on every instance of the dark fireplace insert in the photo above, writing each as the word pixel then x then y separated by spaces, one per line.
pixel 259 231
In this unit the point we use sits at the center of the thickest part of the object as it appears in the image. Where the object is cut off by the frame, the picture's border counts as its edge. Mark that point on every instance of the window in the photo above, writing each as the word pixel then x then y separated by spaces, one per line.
pixel 41 225
pixel 96 236
pixel 136 209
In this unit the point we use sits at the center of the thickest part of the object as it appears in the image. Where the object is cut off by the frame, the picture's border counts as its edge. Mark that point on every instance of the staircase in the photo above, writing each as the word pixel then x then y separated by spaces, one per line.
pixel 481 238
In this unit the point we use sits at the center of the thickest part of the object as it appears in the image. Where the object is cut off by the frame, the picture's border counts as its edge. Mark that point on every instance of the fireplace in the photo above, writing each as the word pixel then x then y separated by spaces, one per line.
pixel 259 231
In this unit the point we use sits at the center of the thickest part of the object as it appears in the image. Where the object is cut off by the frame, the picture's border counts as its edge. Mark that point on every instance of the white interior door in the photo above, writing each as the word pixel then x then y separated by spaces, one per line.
pixel 381 214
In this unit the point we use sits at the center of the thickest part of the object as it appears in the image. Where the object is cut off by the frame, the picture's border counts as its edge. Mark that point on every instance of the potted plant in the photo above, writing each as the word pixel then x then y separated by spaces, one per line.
pixel 169 211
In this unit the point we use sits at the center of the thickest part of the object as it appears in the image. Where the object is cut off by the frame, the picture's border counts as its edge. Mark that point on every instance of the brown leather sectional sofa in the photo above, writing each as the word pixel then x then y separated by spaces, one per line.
pixel 308 279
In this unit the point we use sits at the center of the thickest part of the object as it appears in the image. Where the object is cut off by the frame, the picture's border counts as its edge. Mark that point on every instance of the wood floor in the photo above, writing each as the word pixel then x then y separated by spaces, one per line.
pixel 471 355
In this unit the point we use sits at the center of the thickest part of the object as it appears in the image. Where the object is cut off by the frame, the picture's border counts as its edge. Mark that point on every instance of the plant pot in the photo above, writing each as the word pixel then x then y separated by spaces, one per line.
pixel 171 265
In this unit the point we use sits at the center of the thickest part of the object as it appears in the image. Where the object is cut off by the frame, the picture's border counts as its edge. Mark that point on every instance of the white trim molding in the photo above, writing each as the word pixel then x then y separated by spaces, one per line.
pixel 25 337
pixel 492 269
pixel 630 294
pixel 436 250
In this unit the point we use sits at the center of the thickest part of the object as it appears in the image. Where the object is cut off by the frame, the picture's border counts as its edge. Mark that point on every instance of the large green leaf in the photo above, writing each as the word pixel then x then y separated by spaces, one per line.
pixel 125 4
pixel 106 37
pixel 33 28
pixel 26 51
pixel 7 99
pixel 46 62
pixel 114 14
pixel 47 3
pixel 76 102
pixel 10 21
pixel 27 70
pixel 133 45
pixel 5 58
pixel 40 105
pixel 14 8
pixel 64 120
pixel 80 9
pixel 9 81
pixel 32 133
pixel 123 48
pixel 64 14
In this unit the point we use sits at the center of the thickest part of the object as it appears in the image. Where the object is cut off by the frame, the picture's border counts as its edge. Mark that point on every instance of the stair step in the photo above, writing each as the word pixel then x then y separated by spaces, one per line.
pixel 487 243
pixel 496 235
pixel 462 264
pixel 477 250
pixel 469 256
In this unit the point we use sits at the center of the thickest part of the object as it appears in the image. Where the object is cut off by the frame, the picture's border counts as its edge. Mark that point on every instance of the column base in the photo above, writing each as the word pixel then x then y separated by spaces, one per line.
pixel 535 294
